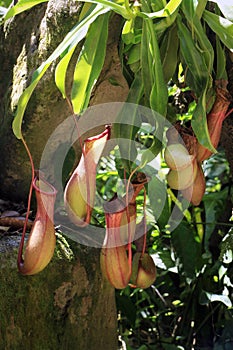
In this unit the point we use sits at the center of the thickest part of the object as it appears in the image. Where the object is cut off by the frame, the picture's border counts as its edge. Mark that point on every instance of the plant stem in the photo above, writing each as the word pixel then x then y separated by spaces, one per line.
pixel 20 253
pixel 206 318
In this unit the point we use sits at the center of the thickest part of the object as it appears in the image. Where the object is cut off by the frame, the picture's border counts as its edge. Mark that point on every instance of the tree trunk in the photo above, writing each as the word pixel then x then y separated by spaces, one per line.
pixel 68 305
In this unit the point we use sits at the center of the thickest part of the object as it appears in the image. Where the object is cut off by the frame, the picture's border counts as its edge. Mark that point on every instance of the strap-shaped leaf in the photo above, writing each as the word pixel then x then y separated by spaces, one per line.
pixel 221 26
pixel 199 123
pixel 169 47
pixel 72 38
pixel 146 59
pixel 200 7
pixel 190 8
pixel 21 6
pixel 128 122
pixel 221 61
pixel 187 248
pixel 90 63
pixel 159 93
pixel 61 70
pixel 159 204
pixel 165 23
pixel 128 32
pixel 195 62
pixel 192 56
pixel 193 8
pixel 168 10
pixel 24 98
pixel 112 5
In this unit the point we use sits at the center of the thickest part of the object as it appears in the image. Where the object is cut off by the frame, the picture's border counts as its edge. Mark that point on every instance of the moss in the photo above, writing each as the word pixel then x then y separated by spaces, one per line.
pixel 63 307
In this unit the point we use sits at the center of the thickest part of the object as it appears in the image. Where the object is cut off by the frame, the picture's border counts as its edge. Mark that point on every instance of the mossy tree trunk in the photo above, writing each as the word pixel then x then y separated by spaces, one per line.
pixel 68 305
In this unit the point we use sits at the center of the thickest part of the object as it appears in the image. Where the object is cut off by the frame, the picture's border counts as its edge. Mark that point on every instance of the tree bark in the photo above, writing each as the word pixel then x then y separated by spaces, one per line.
pixel 68 305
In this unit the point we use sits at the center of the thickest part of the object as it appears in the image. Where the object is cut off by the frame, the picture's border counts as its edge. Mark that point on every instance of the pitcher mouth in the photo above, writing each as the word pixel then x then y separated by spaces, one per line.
pixel 42 186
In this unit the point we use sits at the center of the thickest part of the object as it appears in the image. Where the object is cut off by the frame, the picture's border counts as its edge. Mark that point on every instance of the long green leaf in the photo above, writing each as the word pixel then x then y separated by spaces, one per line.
pixel 187 248
pixel 146 59
pixel 221 61
pixel 222 27
pixel 153 77
pixel 200 7
pixel 78 32
pixel 159 202
pixel 165 23
pixel 192 57
pixel 169 52
pixel 73 37
pixel 199 123
pixel 112 5
pixel 21 6
pixel 136 89
pixel 159 93
pixel 199 71
pixel 201 40
pixel 159 124
pixel 128 122
pixel 168 10
pixel 23 101
pixel 204 45
pixel 61 70
pixel 193 8
pixel 90 63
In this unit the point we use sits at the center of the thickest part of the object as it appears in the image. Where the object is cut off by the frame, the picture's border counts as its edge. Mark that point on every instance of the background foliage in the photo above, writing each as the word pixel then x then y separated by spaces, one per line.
pixel 5 3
